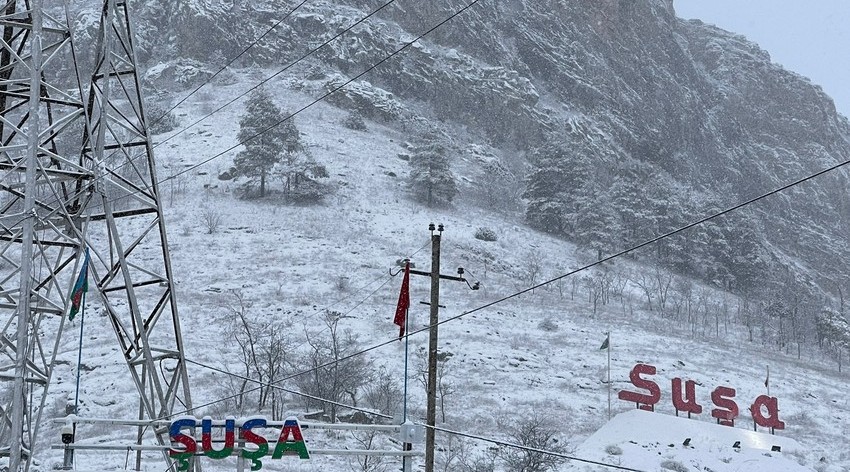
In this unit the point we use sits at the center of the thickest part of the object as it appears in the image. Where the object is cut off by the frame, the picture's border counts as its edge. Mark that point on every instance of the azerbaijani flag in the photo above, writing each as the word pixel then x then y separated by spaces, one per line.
pixel 80 287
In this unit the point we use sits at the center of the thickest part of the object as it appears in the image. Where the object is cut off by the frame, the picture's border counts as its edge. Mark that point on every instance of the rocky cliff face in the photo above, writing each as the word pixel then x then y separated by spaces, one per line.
pixel 702 112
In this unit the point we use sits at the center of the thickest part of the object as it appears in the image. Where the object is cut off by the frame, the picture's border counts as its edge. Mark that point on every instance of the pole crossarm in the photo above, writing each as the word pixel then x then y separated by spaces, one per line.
pixel 442 276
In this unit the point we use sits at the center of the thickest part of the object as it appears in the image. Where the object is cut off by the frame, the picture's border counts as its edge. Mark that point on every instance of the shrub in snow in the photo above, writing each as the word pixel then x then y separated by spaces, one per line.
pixel 355 122
pixel 485 234
pixel 226 77
pixel 675 466
pixel 614 450
pixel 212 219
pixel 160 119
pixel 538 432
pixel 548 325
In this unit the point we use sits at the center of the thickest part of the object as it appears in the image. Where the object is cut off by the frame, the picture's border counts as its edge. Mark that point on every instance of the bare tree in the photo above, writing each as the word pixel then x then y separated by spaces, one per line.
pixel 383 393
pixel 663 281
pixel 647 285
pixel 532 267
pixel 619 284
pixel 263 350
pixel 444 389
pixel 367 440
pixel 240 330
pixel 535 435
pixel 333 375
pixel 275 353
pixel 593 283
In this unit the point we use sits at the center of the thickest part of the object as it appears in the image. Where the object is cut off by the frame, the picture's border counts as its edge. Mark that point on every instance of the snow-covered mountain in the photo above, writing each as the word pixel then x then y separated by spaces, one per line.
pixel 676 119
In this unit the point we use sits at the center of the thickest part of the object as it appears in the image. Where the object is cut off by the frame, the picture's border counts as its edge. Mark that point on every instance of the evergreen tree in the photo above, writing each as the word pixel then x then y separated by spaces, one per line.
pixel 557 189
pixel 430 178
pixel 597 226
pixel 264 146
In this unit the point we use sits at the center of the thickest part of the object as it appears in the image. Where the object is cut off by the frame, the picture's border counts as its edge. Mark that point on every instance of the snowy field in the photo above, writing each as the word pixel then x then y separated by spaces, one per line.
pixel 537 354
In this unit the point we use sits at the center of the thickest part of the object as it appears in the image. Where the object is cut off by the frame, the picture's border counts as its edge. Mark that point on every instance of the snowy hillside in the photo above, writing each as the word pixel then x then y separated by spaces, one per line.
pixel 532 356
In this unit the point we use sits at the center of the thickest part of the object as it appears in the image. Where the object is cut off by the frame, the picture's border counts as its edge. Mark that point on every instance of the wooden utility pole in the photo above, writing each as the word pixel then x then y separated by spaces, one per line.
pixel 431 392
pixel 431 409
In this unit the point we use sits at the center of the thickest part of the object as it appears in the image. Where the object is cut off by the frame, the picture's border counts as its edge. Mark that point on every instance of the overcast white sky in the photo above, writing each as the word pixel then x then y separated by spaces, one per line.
pixel 810 37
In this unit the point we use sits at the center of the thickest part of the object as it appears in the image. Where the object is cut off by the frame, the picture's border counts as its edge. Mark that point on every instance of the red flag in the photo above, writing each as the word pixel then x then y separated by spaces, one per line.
pixel 403 301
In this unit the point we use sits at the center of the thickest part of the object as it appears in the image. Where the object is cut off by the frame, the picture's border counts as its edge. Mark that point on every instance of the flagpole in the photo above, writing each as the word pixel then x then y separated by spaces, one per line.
pixel 80 353
pixel 406 345
pixel 609 374
pixel 403 309
pixel 767 381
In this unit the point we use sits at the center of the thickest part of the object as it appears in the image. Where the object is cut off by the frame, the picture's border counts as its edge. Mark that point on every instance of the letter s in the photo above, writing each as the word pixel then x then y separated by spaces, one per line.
pixel 727 409
pixel 251 437
pixel 646 401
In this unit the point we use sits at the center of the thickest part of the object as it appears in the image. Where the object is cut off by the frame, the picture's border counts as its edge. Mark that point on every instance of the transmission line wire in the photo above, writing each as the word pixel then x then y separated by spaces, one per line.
pixel 224 67
pixel 528 448
pixel 287 67
pixel 131 161
pixel 437 428
pixel 324 96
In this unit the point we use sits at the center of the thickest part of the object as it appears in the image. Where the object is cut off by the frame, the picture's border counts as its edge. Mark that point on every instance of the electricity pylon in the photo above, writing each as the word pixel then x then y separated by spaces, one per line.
pixel 78 172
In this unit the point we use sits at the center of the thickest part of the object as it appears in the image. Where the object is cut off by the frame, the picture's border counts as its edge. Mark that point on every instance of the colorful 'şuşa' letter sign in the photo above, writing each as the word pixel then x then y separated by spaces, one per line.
pixel 290 442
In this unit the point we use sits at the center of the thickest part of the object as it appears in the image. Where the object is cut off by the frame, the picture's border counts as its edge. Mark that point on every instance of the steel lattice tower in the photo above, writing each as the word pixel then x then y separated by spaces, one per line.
pixel 78 172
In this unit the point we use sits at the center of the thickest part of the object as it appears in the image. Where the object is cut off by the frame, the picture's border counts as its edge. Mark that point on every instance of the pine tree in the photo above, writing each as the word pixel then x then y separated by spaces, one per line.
pixel 265 144
pixel 430 178
pixel 597 225
pixel 557 189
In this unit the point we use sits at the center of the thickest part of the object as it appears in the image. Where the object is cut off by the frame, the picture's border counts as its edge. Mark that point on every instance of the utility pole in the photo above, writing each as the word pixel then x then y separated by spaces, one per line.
pixel 431 407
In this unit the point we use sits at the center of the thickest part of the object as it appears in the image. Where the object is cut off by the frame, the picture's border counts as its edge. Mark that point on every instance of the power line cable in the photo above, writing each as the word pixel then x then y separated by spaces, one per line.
pixel 224 67
pixel 329 93
pixel 437 428
pixel 131 161
pixel 283 389
pixel 573 272
pixel 528 448
pixel 287 67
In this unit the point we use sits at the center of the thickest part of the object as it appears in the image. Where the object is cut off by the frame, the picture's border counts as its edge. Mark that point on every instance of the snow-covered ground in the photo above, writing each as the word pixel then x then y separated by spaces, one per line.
pixel 642 440
pixel 535 354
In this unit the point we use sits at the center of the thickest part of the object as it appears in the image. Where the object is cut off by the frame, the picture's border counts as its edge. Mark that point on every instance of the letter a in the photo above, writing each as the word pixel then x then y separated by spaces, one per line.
pixel 772 405
pixel 294 446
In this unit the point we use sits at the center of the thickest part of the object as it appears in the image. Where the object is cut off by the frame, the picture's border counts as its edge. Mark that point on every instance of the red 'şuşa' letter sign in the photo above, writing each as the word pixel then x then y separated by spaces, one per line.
pixel 645 401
